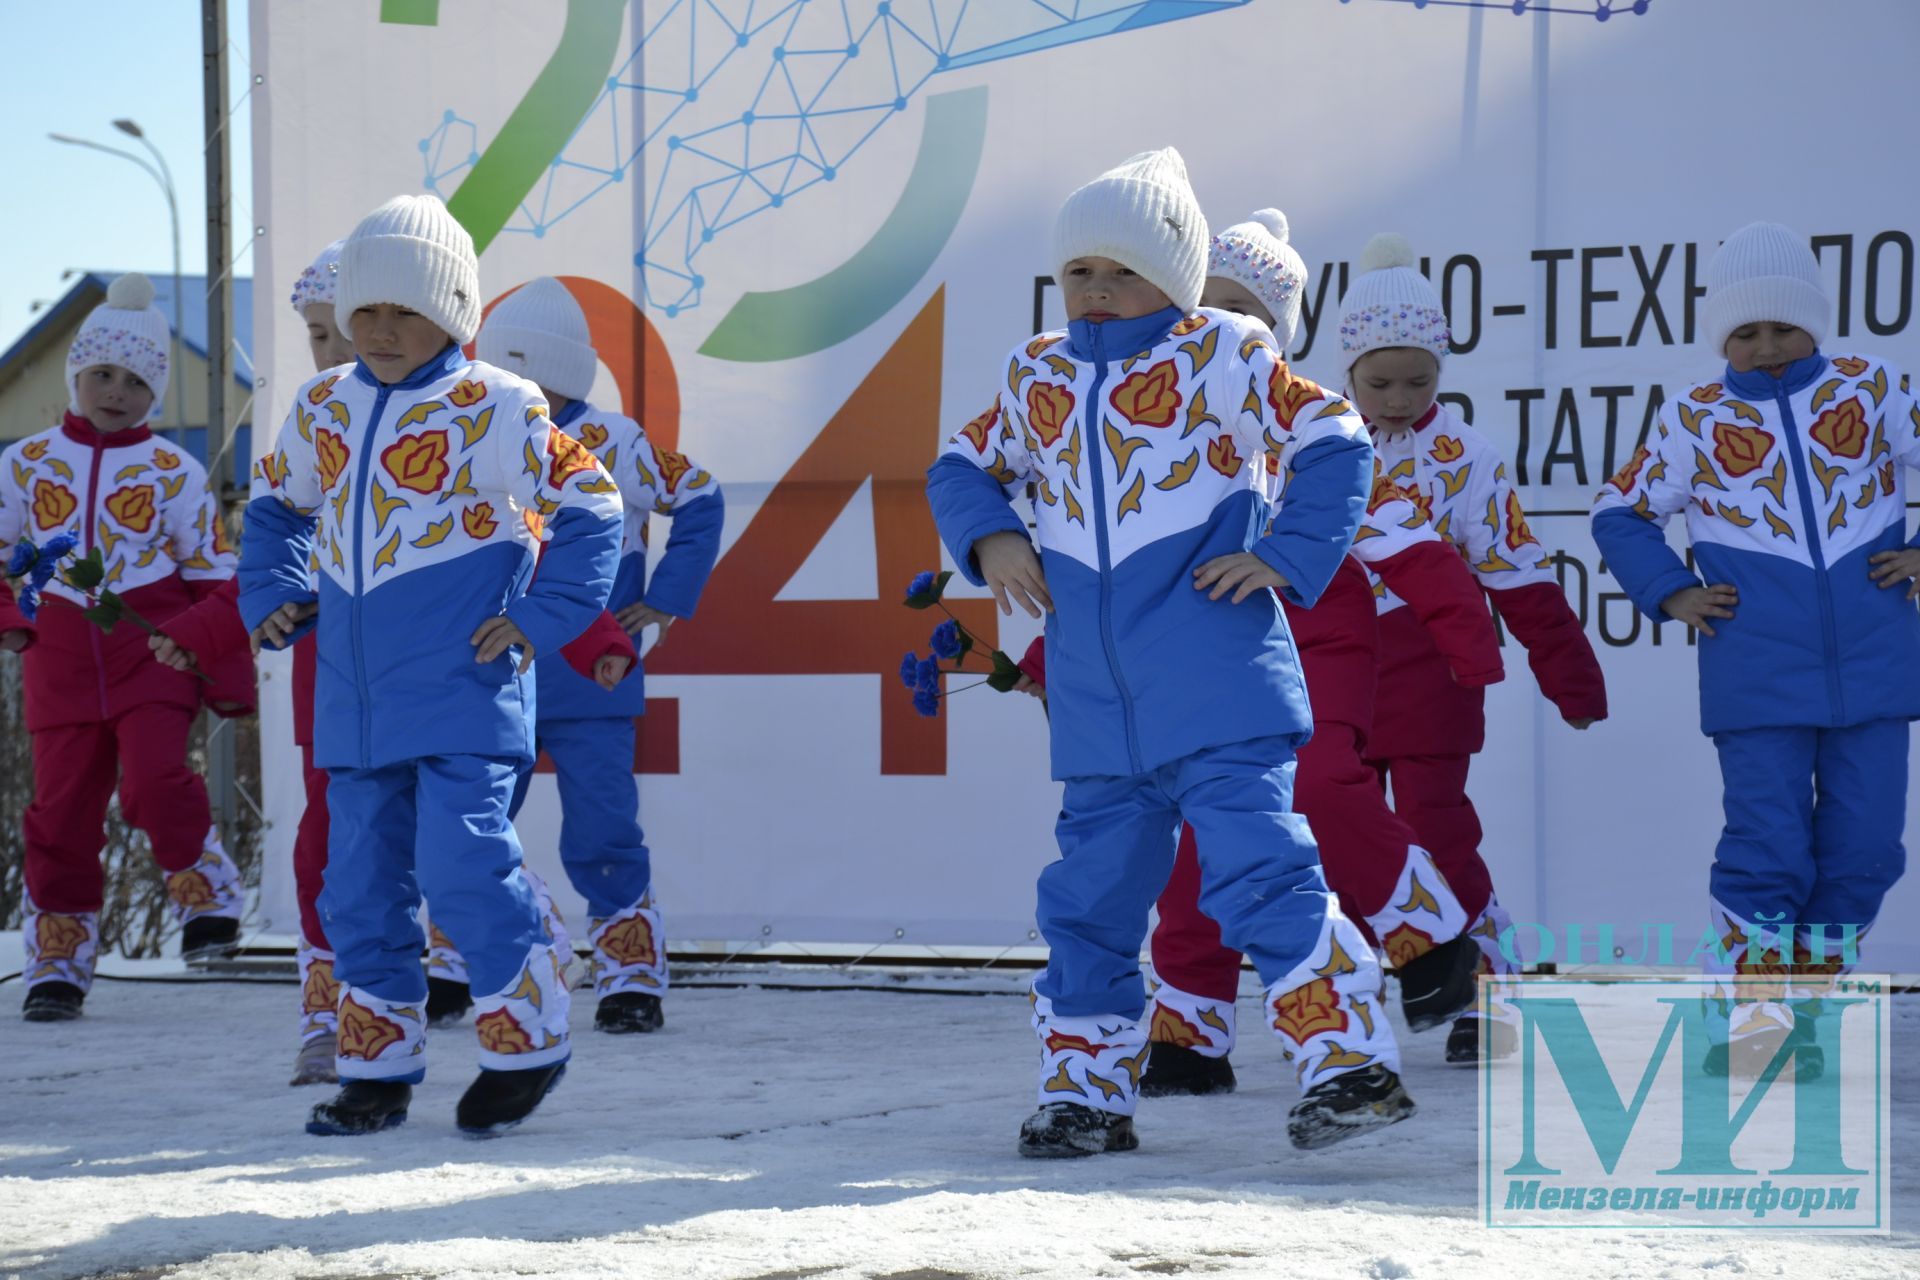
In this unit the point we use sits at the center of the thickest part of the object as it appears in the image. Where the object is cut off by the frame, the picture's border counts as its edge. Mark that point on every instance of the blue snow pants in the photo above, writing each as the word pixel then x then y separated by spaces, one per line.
pixel 1259 868
pixel 1813 821
pixel 601 844
pixel 438 827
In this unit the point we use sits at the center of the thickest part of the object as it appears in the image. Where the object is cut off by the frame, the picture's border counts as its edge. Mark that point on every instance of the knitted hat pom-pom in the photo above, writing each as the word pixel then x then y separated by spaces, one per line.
pixel 131 292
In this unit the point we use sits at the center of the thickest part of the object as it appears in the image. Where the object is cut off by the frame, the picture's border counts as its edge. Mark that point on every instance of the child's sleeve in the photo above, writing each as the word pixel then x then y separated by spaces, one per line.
pixel 1901 422
pixel 603 638
pixel 1324 455
pixel 196 535
pixel 970 486
pixel 13 520
pixel 276 542
pixel 1630 517
pixel 1398 543
pixel 558 476
pixel 673 485
pixel 211 629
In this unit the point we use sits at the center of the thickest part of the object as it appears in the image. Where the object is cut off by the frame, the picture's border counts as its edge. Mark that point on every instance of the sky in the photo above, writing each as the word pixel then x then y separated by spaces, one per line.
pixel 74 67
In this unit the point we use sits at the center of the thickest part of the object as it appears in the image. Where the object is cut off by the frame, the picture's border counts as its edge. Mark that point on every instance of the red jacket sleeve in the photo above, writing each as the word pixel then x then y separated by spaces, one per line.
pixel 1034 664
pixel 11 619
pixel 1446 598
pixel 1557 648
pixel 604 639
pixel 211 628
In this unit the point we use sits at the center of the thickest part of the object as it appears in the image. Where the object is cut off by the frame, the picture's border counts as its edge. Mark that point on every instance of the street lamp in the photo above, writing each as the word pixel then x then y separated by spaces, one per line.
pixel 164 177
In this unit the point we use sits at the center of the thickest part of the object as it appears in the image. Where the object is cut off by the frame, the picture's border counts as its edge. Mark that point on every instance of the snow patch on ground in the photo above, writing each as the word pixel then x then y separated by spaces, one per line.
pixel 764 1135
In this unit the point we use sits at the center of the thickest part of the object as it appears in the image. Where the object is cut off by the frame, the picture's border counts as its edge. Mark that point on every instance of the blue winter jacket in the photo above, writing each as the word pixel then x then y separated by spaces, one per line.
pixel 1146 443
pixel 1790 486
pixel 652 482
pixel 422 505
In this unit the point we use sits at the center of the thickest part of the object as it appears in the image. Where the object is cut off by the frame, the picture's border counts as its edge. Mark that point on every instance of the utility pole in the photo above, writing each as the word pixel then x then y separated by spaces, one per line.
pixel 213 65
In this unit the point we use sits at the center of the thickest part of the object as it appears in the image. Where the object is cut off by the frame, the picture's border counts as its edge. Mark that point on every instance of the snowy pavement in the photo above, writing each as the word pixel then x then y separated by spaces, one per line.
pixel 764 1135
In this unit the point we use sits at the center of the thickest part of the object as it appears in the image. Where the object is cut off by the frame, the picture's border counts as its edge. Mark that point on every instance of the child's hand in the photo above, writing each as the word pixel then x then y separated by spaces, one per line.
pixel 1583 722
pixel 497 635
pixel 635 618
pixel 611 670
pixel 1027 685
pixel 13 641
pixel 169 654
pixel 280 625
pixel 1694 605
pixel 1243 573
pixel 1012 571
pixel 1896 567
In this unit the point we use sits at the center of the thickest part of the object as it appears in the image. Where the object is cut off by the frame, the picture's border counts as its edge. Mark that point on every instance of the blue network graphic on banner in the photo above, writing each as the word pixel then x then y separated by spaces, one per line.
pixel 805 86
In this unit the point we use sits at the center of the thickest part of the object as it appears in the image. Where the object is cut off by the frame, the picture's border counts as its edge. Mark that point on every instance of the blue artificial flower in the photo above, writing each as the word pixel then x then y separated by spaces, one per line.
pixel 29 601
pixel 59 545
pixel 909 669
pixel 946 639
pixel 926 702
pixel 921 584
pixel 22 559
pixel 928 674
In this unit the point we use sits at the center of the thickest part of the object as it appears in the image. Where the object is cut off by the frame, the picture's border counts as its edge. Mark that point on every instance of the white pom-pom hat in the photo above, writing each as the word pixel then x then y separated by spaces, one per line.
pixel 539 332
pixel 126 330
pixel 1257 255
pixel 1390 304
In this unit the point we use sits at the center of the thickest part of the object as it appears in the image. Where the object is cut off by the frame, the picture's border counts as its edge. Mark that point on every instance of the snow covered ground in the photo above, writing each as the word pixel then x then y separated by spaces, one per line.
pixel 766 1134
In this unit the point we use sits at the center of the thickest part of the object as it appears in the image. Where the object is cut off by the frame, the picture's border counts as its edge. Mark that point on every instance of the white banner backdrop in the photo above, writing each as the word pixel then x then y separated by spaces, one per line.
pixel 805 239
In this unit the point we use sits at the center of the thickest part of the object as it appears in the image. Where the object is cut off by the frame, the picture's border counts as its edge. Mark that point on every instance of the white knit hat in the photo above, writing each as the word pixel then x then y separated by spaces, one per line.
pixel 1763 272
pixel 539 332
pixel 125 330
pixel 1142 215
pixel 410 252
pixel 1390 304
pixel 319 281
pixel 1256 254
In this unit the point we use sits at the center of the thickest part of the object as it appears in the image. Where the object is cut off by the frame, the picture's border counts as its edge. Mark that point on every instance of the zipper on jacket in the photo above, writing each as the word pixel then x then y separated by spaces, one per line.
pixel 359 578
pixel 92 524
pixel 1095 441
pixel 1823 582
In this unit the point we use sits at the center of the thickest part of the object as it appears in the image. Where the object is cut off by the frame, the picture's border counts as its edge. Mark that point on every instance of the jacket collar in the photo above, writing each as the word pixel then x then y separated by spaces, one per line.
pixel 1757 384
pixel 569 415
pixel 77 428
pixel 1121 338
pixel 432 371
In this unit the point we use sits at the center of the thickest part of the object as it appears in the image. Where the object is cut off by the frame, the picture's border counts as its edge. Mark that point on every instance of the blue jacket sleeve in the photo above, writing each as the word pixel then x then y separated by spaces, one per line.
pixel 276 546
pixel 1325 500
pixel 692 547
pixel 1639 558
pixel 574 579
pixel 968 504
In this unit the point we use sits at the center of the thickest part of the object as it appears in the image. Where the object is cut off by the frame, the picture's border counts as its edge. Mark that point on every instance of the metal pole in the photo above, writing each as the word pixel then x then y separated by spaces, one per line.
pixel 213 66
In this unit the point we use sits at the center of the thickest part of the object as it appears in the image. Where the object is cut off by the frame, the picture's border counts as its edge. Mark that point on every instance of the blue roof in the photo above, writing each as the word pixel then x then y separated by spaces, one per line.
pixel 193 315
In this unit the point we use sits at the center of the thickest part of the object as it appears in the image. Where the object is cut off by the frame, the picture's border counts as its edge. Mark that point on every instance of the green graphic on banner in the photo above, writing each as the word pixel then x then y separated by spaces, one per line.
pixel 552 109
pixel 824 312
pixel 411 13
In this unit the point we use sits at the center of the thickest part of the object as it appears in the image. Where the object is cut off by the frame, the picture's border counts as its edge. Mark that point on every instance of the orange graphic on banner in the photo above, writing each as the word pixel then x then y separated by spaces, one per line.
pixel 888 431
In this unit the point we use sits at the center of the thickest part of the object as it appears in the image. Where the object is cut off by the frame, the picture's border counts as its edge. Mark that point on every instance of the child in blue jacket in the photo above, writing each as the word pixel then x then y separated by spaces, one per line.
pixel 1790 465
pixel 540 333
pixel 1173 683
pixel 422 483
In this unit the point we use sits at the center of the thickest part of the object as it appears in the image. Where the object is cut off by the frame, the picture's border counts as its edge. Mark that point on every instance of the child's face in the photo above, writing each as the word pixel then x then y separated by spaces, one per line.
pixel 1767 345
pixel 112 398
pixel 324 339
pixel 1224 293
pixel 394 341
pixel 1394 386
pixel 1100 289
